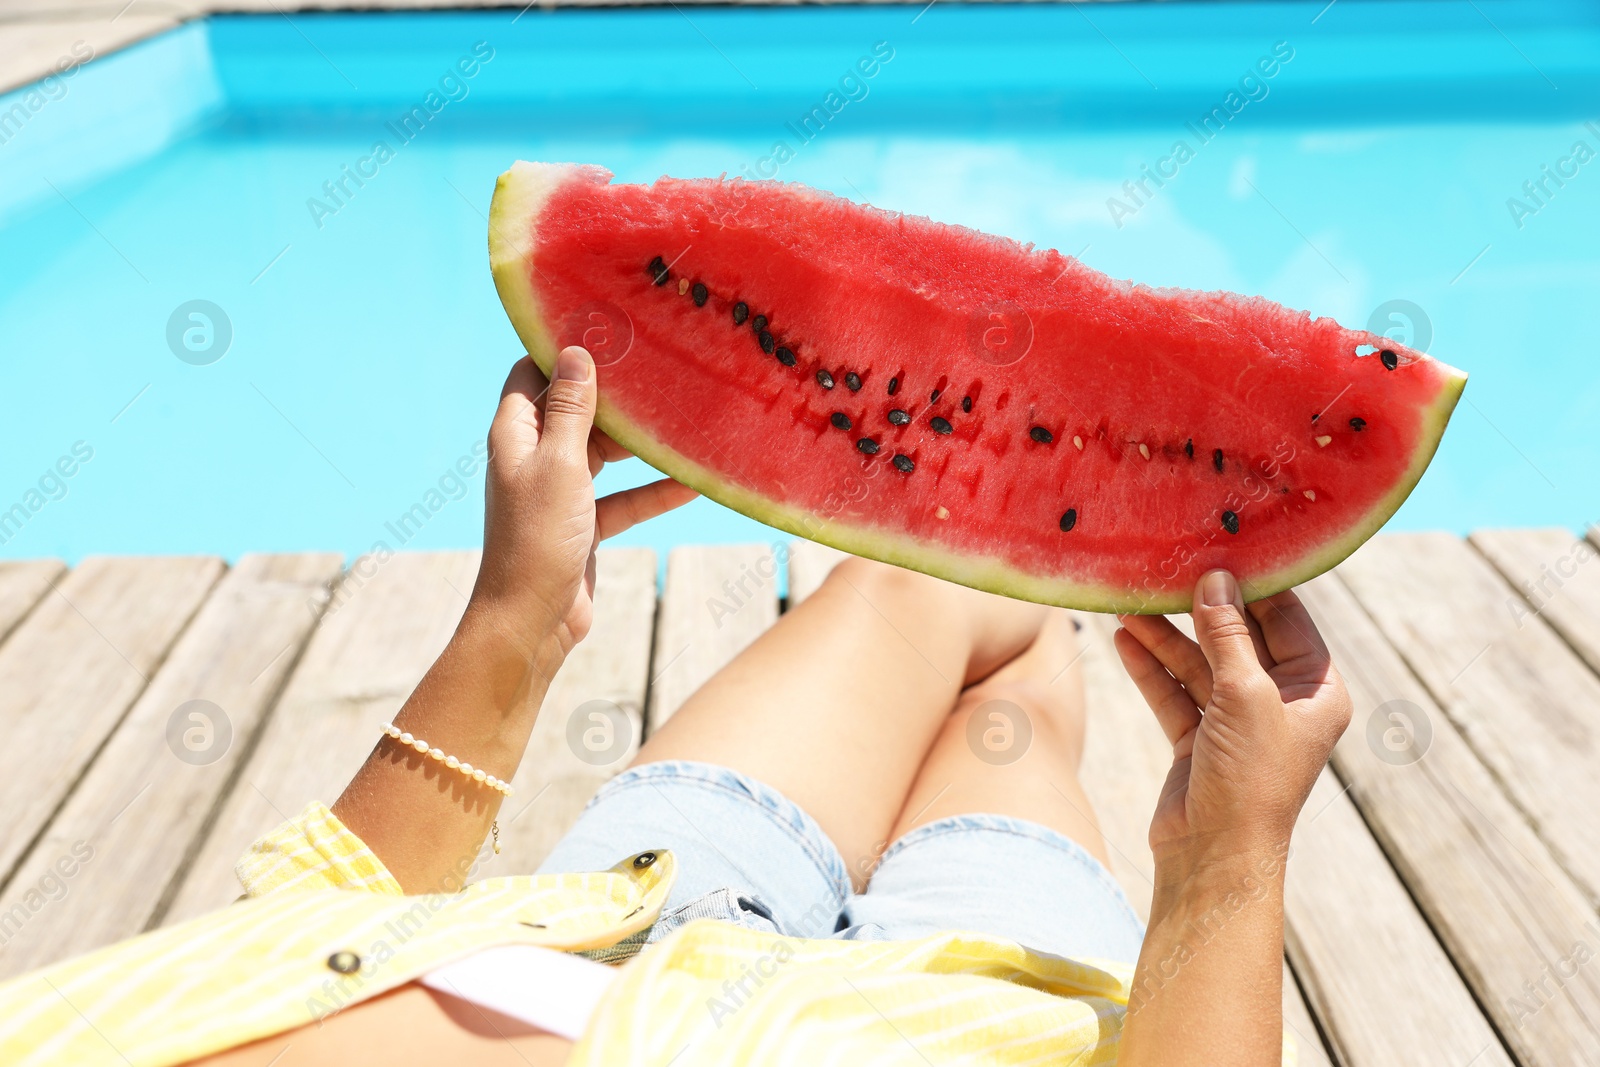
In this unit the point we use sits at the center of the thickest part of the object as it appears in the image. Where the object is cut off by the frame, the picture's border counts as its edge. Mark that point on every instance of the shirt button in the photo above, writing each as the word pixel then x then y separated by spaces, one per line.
pixel 643 860
pixel 344 962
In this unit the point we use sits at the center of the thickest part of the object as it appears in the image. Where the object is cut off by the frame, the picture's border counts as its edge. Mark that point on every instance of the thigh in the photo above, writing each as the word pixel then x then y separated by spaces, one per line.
pixel 835 705
pixel 998 837
pixel 1008 749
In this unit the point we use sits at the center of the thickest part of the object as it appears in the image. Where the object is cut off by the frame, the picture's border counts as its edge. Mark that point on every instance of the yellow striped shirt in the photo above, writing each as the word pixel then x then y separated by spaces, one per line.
pixel 321 903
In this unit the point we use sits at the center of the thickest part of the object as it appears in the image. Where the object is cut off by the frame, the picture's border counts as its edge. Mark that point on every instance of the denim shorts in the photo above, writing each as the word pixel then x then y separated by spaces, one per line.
pixel 748 855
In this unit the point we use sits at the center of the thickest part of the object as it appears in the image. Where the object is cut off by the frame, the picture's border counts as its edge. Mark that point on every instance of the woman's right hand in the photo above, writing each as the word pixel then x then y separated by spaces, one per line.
pixel 1252 710
pixel 542 522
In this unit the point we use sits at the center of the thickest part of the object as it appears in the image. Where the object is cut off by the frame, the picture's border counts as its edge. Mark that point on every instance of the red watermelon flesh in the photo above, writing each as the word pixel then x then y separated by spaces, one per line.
pixel 962 404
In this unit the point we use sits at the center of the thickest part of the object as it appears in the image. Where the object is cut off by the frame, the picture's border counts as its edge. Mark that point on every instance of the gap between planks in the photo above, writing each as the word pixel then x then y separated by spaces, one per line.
pixel 378 635
pixel 1495 896
pixel 134 817
pixel 1126 760
pixel 74 667
pixel 1525 704
pixel 374 644
pixel 1554 578
pixel 1384 824
pixel 23 585
pixel 715 601
pixel 590 724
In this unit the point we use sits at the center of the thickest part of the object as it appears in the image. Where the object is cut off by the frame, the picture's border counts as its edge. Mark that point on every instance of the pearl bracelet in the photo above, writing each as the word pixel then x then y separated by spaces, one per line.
pixel 475 773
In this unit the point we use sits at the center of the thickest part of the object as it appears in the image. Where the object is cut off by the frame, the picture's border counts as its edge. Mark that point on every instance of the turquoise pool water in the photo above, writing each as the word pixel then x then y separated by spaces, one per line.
pixel 1375 175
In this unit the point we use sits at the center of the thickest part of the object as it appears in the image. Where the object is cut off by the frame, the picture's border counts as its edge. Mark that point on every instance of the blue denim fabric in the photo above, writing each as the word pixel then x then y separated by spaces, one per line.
pixel 741 846
pixel 1001 876
pixel 748 855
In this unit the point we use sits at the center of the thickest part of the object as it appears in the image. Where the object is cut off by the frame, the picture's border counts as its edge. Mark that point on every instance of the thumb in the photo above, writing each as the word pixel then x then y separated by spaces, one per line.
pixel 1223 633
pixel 569 404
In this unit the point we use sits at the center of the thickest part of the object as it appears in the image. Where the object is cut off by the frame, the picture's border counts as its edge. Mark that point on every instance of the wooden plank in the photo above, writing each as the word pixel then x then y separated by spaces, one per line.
pixel 590 724
pixel 1558 580
pixel 386 624
pixel 23 583
pixel 70 671
pixel 127 829
pixel 1370 966
pixel 1125 761
pixel 717 599
pixel 1526 705
pixel 1512 920
pixel 1311 1049
pixel 809 564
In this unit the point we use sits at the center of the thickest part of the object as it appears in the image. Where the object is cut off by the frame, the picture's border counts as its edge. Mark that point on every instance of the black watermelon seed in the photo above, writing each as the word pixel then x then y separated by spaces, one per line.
pixel 785 356
pixel 1390 360
pixel 841 420
pixel 1230 522
pixel 1042 435
pixel 824 379
pixel 934 399
pixel 768 345
pixel 1317 416
pixel 894 386
pixel 657 270
pixel 940 425
pixel 966 403
pixel 1069 519
pixel 1358 424
pixel 1216 460
pixel 868 445
pixel 701 294
pixel 903 464
pixel 741 311
pixel 758 323
pixel 852 382
pixel 898 417
pixel 1188 448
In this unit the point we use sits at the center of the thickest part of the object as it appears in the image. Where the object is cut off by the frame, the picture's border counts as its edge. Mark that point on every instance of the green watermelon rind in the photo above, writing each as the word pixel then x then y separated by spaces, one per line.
pixel 519 198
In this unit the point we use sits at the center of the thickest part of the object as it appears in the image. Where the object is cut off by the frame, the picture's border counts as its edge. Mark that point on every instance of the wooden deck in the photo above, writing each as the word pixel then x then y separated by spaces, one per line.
pixel 1442 897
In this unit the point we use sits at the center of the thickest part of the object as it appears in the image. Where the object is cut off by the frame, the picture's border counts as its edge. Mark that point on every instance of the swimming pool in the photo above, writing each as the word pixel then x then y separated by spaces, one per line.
pixel 1414 166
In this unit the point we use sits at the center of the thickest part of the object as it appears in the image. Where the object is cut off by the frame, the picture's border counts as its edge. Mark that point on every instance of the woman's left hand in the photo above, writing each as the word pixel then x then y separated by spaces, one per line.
pixel 1252 707
pixel 542 522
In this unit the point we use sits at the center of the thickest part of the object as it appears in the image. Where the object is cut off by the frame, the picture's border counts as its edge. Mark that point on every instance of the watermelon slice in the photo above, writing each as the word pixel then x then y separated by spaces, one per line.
pixel 963 404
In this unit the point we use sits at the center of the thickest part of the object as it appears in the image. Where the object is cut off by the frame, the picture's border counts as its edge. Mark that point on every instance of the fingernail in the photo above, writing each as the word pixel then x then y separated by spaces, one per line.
pixel 572 365
pixel 1217 589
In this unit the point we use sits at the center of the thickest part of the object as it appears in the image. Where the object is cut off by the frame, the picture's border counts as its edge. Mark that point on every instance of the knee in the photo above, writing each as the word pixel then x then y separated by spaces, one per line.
pixel 1027 707
pixel 877 581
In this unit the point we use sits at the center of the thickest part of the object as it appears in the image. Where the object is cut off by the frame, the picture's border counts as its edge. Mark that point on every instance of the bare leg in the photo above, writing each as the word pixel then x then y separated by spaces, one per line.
pixel 1021 758
pixel 837 704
